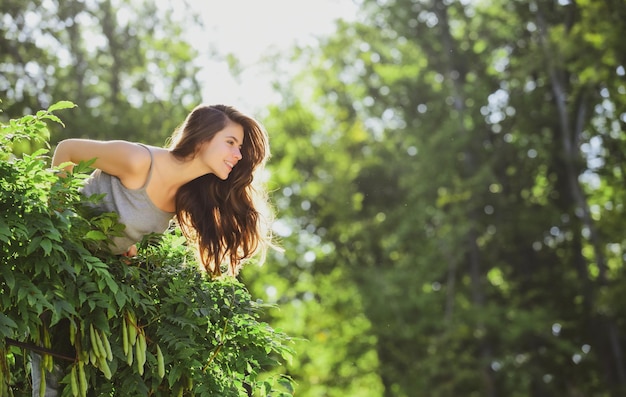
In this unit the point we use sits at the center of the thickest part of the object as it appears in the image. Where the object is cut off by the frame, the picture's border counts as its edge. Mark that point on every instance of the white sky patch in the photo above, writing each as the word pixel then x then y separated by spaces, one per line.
pixel 250 30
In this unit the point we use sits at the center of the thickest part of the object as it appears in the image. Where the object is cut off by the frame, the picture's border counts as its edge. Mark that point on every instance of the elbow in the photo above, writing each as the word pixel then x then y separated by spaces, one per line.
pixel 61 154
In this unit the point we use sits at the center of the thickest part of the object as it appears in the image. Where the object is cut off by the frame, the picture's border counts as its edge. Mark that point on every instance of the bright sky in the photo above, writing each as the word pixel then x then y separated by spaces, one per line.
pixel 249 29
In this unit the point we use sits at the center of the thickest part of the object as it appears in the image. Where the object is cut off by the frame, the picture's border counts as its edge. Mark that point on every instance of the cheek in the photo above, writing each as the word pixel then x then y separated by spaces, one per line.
pixel 206 150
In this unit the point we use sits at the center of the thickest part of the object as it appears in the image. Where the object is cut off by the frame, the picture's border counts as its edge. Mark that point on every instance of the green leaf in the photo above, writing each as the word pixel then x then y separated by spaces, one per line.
pixel 120 299
pixel 47 246
pixel 111 284
pixel 33 245
pixel 5 232
pixel 61 105
pixel 6 325
pixel 95 235
pixel 61 309
pixel 53 118
pixel 9 279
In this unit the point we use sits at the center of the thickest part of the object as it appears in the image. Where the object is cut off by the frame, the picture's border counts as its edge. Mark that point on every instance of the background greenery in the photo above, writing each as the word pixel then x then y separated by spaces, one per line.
pixel 448 175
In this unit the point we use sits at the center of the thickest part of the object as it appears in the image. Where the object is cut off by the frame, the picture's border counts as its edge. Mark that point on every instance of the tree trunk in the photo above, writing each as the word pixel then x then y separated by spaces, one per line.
pixel 472 249
pixel 571 155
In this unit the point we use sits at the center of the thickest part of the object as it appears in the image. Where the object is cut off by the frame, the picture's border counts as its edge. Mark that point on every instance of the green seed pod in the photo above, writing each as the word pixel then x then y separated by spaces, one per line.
pixel 125 337
pixel 107 346
pixel 129 357
pixel 104 367
pixel 82 379
pixel 160 362
pixel 74 381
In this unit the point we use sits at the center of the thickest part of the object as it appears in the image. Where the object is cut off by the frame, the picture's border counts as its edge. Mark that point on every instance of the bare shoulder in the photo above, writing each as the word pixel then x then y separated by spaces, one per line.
pixel 128 161
pixel 137 158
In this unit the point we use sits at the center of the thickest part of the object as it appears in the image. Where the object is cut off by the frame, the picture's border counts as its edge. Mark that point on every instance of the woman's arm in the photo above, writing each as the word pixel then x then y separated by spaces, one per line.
pixel 119 158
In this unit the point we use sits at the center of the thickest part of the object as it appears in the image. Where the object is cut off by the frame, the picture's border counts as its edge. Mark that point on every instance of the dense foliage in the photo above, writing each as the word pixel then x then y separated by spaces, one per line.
pixel 149 325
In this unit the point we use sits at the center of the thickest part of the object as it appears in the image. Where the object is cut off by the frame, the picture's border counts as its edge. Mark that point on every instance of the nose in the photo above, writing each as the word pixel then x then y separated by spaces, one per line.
pixel 237 154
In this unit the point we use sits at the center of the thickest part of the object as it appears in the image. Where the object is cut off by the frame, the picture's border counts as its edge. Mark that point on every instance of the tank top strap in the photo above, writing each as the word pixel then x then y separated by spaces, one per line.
pixel 151 163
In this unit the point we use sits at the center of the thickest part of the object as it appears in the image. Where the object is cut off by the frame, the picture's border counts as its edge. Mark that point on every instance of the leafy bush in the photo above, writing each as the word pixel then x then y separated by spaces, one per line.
pixel 152 325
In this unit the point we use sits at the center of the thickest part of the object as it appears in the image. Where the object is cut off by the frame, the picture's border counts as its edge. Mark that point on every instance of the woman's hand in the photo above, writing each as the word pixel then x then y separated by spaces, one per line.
pixel 132 251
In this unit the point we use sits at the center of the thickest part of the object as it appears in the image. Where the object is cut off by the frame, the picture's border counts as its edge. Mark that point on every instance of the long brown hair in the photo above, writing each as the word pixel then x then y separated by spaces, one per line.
pixel 226 219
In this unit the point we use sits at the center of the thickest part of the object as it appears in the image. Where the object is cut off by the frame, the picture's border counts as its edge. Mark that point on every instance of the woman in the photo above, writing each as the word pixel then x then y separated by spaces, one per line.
pixel 203 180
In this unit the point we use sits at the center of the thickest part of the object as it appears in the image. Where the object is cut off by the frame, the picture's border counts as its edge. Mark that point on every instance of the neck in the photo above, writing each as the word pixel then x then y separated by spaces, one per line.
pixel 180 172
pixel 172 173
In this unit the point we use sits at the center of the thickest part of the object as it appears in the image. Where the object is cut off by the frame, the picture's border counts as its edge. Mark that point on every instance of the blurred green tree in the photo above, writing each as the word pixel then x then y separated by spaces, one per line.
pixel 449 161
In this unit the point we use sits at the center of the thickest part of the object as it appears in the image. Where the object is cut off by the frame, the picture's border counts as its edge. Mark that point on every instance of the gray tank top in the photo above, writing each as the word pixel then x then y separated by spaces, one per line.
pixel 136 211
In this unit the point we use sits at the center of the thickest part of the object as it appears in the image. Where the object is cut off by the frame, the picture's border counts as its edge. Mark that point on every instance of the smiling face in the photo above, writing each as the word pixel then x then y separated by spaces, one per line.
pixel 223 151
